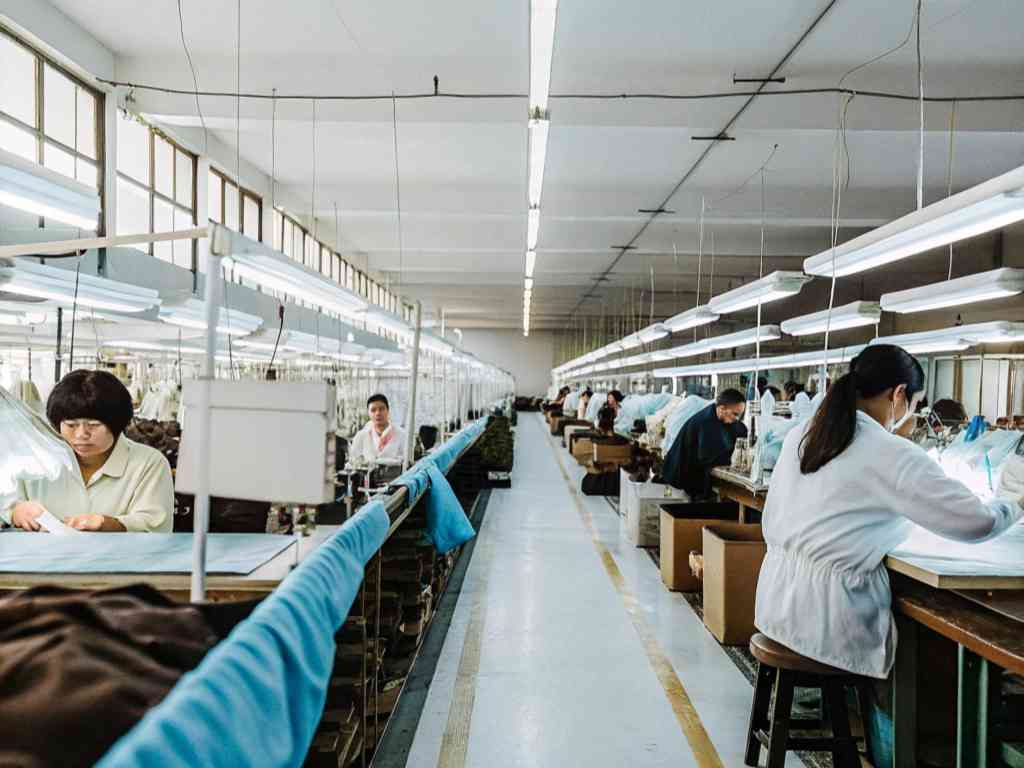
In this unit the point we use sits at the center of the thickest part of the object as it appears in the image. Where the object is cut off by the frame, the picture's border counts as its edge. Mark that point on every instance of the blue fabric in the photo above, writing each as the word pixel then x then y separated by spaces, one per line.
pixel 975 429
pixel 447 524
pixel 235 553
pixel 257 697
pixel 635 407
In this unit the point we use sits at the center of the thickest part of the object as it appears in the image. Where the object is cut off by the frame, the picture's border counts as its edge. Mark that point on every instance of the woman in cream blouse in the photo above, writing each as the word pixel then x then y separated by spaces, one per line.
pixel 121 485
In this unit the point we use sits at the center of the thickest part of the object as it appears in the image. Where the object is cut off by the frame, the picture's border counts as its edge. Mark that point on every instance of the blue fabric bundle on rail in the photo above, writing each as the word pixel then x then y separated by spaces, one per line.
pixel 447 524
pixel 257 697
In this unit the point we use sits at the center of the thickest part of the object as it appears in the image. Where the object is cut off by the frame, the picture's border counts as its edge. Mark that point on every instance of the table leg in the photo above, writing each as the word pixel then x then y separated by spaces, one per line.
pixel 904 695
pixel 977 700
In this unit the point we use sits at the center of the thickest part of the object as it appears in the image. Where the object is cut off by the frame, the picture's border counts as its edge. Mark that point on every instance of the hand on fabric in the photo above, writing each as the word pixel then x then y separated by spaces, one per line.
pixel 24 514
pixel 94 523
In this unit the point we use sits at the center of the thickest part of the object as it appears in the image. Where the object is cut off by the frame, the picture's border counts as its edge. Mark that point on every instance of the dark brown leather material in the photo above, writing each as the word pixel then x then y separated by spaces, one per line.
pixel 78 668
pixel 776 655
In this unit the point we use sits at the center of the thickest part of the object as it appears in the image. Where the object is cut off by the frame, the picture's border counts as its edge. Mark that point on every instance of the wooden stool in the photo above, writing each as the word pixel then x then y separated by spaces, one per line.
pixel 779 670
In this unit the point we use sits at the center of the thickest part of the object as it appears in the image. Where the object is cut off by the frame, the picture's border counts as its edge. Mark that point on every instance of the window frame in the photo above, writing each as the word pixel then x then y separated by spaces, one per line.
pixel 243 193
pixel 42 60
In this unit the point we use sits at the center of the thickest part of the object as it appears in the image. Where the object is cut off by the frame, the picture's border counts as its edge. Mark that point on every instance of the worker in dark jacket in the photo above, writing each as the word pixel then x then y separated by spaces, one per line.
pixel 706 441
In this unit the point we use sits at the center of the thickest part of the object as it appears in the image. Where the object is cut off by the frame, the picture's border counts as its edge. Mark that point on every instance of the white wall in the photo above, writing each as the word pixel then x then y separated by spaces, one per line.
pixel 528 359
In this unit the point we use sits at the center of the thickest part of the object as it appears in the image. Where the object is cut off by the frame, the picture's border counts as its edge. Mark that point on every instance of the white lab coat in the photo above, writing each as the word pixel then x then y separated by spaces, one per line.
pixel 368 446
pixel 823 590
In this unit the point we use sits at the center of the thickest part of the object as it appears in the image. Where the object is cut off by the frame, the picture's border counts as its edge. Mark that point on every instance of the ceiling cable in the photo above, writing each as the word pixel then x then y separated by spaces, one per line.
pixel 920 93
pixel 949 175
pixel 398 193
pixel 195 80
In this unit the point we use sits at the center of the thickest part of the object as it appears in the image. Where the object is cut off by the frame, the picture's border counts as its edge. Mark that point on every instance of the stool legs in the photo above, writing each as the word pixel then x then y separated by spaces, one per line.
pixel 844 750
pixel 781 711
pixel 759 713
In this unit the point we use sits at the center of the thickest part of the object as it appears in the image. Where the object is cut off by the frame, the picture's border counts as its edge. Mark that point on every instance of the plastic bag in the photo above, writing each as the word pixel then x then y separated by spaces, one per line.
pixel 31 449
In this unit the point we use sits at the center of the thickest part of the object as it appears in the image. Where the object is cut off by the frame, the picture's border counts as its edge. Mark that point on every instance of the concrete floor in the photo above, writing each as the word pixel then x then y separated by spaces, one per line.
pixel 565 648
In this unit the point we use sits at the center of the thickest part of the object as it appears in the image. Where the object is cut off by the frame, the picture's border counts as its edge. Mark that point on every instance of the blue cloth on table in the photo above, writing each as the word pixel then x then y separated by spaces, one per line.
pixel 447 524
pixel 257 697
pixel 975 428
pixel 235 553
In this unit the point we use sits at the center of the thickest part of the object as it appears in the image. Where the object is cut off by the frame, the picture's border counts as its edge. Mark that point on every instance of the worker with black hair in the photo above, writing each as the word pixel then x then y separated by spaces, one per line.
pixel 380 440
pixel 706 441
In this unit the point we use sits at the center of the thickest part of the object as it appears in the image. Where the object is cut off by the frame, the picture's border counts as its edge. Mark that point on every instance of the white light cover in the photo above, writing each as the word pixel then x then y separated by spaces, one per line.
pixel 994 332
pixel 743 338
pixel 528 283
pixel 531 262
pixel 923 342
pixel 388 321
pixel 851 315
pixel 20 313
pixel 32 188
pixel 777 285
pixel 538 135
pixel 691 318
pixel 532 228
pixel 263 265
pixel 652 333
pixel 192 314
pixel 542 41
pixel 985 286
pixel 40 281
pixel 990 205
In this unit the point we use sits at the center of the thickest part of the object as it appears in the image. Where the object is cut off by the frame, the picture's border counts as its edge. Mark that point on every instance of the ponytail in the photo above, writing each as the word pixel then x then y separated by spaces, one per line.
pixel 877 368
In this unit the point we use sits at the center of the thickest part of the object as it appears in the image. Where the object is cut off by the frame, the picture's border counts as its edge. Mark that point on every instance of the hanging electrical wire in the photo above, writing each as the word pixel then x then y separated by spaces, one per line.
pixel 949 175
pixel 920 93
pixel 195 80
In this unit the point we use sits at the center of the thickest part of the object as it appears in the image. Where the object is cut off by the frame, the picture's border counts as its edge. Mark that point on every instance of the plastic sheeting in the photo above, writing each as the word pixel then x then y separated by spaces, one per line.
pixel 257 697
pixel 638 407
pixel 32 450
pixel 978 463
pixel 597 402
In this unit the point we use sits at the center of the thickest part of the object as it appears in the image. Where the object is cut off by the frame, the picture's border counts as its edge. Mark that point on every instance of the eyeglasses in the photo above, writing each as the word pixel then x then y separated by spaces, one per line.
pixel 89 425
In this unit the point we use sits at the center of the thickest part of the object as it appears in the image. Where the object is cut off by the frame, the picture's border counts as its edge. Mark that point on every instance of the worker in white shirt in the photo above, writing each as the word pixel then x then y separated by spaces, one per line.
pixel 846 490
pixel 120 485
pixel 380 440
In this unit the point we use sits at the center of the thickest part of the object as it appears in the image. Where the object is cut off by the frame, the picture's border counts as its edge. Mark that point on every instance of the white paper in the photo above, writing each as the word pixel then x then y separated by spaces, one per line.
pixel 49 523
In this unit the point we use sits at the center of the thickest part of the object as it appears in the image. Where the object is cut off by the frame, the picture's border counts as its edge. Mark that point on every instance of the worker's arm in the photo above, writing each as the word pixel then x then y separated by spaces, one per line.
pixel 944 505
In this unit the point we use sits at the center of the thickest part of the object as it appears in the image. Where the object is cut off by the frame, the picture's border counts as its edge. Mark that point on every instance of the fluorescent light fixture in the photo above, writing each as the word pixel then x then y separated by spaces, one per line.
pixel 41 281
pixel 192 314
pixel 990 205
pixel 528 283
pixel 34 189
pixel 652 333
pixel 20 313
pixel 691 318
pixel 266 267
pixel 923 342
pixel 531 262
pixel 435 345
pixel 542 42
pixel 743 338
pixel 538 135
pixel 777 285
pixel 995 332
pixel 532 228
pixel 851 315
pixel 387 321
pixel 985 286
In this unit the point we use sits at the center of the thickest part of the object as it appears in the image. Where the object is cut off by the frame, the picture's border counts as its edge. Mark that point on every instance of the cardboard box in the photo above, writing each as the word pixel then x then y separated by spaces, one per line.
pixel 612 453
pixel 640 507
pixel 732 561
pixel 681 533
pixel 572 430
pixel 583 449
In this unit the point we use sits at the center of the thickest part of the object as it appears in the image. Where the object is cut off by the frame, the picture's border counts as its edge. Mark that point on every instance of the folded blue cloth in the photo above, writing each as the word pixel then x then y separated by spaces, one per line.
pixel 447 524
pixel 257 697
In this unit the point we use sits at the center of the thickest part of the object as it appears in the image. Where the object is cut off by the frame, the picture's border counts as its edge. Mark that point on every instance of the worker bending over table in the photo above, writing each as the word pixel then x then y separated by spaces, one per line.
pixel 380 440
pixel 120 485
pixel 846 490
pixel 706 441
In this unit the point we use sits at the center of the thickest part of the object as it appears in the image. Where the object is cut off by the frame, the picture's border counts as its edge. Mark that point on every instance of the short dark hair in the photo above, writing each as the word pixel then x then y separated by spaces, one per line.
pixel 618 396
pixel 606 418
pixel 730 397
pixel 95 395
pixel 378 398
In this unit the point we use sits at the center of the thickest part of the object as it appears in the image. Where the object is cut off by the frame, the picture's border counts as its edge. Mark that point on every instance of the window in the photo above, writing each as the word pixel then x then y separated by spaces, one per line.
pixel 156 189
pixel 48 116
pixel 236 208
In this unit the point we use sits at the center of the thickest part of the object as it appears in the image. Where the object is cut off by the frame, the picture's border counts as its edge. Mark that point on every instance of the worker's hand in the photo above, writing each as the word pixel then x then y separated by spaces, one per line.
pixel 24 514
pixel 94 523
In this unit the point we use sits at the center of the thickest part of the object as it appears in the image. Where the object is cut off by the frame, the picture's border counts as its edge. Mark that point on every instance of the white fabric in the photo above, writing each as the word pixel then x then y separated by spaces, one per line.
pixel 1011 484
pixel 368 446
pixel 823 590
pixel 581 411
pixel 801 406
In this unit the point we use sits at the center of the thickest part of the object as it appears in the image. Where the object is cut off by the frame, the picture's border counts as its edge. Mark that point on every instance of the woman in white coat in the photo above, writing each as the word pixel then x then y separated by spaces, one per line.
pixel 846 490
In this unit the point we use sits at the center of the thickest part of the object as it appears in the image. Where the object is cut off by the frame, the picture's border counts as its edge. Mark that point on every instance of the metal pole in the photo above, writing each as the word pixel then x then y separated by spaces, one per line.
pixel 201 522
pixel 60 334
pixel 410 435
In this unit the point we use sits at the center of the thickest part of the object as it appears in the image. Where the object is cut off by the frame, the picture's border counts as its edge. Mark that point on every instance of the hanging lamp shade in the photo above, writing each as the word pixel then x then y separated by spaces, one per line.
pixel 777 285
pixel 41 281
pixel 985 286
pixel 691 318
pixel 29 187
pixel 853 315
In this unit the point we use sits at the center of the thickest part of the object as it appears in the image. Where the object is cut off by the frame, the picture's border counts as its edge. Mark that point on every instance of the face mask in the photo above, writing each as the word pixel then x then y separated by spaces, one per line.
pixel 895 425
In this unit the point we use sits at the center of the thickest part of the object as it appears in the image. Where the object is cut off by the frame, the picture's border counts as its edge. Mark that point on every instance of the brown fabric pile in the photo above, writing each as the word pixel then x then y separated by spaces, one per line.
pixel 165 436
pixel 79 668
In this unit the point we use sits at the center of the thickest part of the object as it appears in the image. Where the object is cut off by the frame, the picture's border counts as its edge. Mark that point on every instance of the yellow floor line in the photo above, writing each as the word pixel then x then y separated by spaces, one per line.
pixel 686 714
pixel 455 742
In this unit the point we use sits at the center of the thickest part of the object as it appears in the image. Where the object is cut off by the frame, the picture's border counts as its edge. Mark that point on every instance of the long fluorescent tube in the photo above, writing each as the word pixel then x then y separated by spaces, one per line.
pixel 990 205
pixel 853 315
pixel 652 333
pixel 777 285
pixel 528 284
pixel 985 286
pixel 691 318
pixel 34 189
pixel 743 338
pixel 192 314
pixel 41 281
pixel 270 269
pixel 542 41
pixel 686 350
pixel 20 313
pixel 538 140
pixel 531 262
pixel 957 338
pixel 388 321
pixel 532 228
